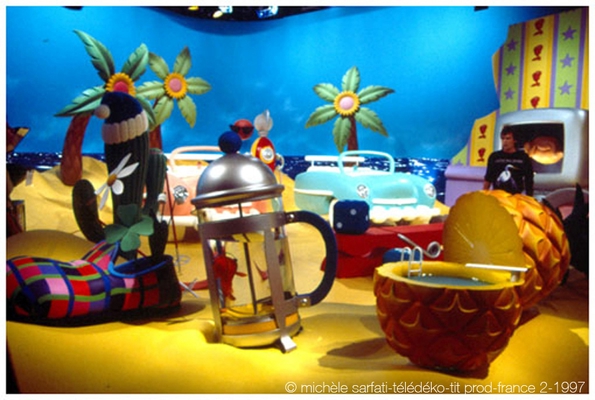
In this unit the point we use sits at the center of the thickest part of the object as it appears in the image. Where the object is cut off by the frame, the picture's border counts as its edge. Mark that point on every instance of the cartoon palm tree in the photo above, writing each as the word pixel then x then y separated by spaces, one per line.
pixel 174 87
pixel 83 106
pixel 347 105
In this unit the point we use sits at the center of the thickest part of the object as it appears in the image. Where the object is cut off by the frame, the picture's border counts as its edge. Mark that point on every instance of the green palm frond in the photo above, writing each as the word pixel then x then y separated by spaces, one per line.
pixel 101 58
pixel 158 66
pixel 369 119
pixel 183 62
pixel 188 110
pixel 136 65
pixel 86 102
pixel 148 110
pixel 321 115
pixel 150 90
pixel 373 93
pixel 197 85
pixel 163 109
pixel 341 131
pixel 326 91
pixel 351 80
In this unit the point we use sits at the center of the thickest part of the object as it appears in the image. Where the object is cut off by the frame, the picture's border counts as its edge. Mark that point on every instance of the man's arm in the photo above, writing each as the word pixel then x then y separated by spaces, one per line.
pixel 528 177
pixel 488 177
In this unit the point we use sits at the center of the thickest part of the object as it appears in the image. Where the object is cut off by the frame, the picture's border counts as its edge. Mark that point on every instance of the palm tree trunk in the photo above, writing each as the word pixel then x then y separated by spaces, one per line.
pixel 155 141
pixel 71 165
pixel 352 140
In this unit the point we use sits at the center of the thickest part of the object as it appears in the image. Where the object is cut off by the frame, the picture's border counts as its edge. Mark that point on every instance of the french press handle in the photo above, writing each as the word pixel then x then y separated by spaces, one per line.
pixel 330 244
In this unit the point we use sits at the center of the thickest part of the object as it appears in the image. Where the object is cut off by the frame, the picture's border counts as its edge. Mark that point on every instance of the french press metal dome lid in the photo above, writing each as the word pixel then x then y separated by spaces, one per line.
pixel 235 178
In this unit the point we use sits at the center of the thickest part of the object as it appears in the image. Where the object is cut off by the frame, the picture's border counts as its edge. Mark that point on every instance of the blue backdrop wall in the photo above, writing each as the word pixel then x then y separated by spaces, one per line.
pixel 436 59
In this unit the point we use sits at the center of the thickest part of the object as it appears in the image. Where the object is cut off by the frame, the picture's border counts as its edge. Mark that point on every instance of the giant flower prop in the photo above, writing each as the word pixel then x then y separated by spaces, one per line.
pixel 347 105
pixel 114 182
pixel 82 107
pixel 175 87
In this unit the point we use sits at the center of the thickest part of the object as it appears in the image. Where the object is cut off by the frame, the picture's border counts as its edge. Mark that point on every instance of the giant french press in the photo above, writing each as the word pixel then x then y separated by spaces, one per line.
pixel 247 254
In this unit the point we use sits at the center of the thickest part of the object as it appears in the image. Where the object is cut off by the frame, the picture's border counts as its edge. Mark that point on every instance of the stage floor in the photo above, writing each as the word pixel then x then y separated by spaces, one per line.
pixel 341 346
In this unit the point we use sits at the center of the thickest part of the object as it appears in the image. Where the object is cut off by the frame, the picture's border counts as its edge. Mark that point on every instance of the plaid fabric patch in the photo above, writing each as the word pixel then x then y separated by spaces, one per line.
pixel 49 289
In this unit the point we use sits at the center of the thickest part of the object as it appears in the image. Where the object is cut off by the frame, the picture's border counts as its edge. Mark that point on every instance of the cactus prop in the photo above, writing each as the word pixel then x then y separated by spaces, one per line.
pixel 134 171
pixel 155 179
pixel 347 105
pixel 84 204
pixel 155 186
pixel 125 136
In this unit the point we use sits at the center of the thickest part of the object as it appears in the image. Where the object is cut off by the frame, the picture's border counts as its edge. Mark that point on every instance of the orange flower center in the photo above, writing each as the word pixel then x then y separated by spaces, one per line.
pixel 175 85
pixel 346 103
pixel 111 179
pixel 120 82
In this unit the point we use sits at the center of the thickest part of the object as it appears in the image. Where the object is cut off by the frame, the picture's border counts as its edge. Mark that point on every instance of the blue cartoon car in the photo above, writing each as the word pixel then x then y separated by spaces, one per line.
pixel 392 197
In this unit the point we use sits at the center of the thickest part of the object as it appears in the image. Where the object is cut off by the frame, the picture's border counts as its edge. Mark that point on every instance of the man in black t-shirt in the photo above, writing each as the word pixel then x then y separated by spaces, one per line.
pixel 509 169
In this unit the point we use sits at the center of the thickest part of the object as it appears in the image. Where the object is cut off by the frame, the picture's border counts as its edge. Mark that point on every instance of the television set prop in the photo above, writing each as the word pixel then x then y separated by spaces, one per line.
pixel 556 139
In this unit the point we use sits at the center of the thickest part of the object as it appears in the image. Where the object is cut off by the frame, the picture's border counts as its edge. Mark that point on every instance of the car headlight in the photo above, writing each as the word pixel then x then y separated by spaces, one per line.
pixel 430 190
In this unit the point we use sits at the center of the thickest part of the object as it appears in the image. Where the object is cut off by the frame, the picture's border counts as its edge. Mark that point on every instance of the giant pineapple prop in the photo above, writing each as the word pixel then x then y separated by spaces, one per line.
pixel 461 327
pixel 545 246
